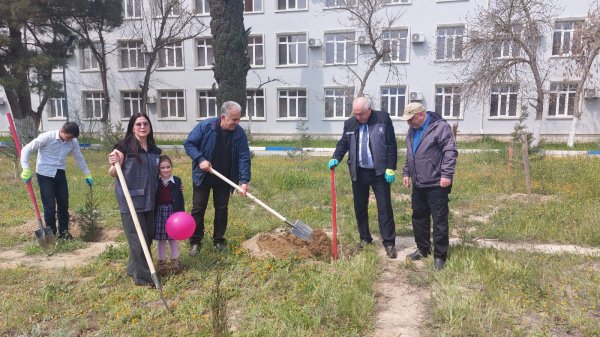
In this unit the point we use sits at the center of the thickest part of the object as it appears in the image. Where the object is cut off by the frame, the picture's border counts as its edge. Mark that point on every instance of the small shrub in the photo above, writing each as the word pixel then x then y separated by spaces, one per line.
pixel 90 218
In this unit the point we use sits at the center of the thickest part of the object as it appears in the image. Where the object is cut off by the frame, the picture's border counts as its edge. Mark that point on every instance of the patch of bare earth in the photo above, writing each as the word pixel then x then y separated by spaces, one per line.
pixel 284 244
pixel 16 256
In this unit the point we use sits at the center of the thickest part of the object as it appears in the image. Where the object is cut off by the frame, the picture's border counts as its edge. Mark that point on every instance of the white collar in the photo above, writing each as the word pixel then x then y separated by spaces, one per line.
pixel 171 179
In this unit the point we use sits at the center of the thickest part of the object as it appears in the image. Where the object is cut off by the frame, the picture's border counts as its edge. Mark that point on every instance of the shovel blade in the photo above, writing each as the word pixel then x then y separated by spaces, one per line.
pixel 45 237
pixel 302 230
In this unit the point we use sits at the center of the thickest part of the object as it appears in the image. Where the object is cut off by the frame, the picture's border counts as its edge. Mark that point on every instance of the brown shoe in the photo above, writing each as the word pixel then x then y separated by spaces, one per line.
pixel 162 268
pixel 175 266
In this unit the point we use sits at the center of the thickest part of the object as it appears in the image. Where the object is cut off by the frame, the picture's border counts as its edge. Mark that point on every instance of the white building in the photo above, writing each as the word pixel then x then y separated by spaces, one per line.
pixel 306 45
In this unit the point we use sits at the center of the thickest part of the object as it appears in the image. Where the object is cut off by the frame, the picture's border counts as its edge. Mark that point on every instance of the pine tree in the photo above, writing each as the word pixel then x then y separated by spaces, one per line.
pixel 230 42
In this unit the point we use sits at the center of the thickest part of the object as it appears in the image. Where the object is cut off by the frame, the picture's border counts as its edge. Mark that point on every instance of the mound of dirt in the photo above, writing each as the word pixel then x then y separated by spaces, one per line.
pixel 284 244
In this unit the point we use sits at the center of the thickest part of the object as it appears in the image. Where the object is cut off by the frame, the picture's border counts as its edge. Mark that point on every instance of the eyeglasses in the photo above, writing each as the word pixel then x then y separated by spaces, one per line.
pixel 144 124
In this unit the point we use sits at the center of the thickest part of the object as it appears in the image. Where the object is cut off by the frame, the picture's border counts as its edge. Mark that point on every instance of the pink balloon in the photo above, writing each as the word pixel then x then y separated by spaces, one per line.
pixel 180 226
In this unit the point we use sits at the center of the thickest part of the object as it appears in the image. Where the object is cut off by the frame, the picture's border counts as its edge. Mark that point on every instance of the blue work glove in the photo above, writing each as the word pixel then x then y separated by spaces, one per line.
pixel 390 176
pixel 89 180
pixel 333 163
pixel 26 175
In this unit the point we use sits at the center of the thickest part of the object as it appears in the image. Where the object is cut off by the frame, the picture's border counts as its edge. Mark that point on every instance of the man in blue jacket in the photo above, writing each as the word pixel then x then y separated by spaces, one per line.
pixel 370 142
pixel 430 161
pixel 219 143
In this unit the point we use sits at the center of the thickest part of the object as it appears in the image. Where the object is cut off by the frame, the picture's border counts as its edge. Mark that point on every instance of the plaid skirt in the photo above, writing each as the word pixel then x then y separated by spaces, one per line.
pixel 162 214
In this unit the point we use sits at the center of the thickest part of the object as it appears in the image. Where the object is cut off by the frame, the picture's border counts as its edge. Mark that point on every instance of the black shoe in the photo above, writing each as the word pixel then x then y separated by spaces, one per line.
pixel 220 246
pixel 65 235
pixel 416 255
pixel 194 249
pixel 439 263
pixel 362 244
pixel 391 252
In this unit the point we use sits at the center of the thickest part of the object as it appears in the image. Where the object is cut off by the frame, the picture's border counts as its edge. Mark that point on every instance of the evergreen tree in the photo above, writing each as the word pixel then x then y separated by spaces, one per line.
pixel 230 40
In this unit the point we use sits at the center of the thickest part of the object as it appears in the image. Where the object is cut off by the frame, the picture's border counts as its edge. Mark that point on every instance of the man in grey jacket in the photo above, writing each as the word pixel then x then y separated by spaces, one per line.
pixel 430 161
pixel 370 142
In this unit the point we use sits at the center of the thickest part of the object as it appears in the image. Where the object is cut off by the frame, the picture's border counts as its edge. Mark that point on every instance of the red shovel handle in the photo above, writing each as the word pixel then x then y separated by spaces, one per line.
pixel 333 214
pixel 15 137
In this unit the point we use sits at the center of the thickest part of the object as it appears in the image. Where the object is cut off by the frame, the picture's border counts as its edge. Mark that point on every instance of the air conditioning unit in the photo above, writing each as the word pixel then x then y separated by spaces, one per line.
pixel 417 38
pixel 151 100
pixel 415 96
pixel 314 43
pixel 591 94
pixel 363 40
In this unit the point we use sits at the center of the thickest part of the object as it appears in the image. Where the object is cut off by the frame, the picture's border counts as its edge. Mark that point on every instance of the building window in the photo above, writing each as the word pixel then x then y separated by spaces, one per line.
pixel 93 103
pixel 204 53
pixel 207 104
pixel 132 103
pixel 161 8
pixel 201 7
pixel 255 104
pixel 253 6
pixel 132 55
pixel 171 55
pixel 397 1
pixel 291 5
pixel 449 43
pixel 339 3
pixel 562 99
pixel 256 50
pixel 338 102
pixel 567 39
pixel 133 9
pixel 172 104
pixel 447 101
pixel 396 41
pixel 88 59
pixel 340 48
pixel 506 49
pixel 292 49
pixel 503 101
pixel 292 103
pixel 393 100
pixel 58 107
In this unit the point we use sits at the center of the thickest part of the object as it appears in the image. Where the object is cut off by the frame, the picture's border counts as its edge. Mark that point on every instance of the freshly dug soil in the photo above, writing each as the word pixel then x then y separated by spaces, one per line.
pixel 284 244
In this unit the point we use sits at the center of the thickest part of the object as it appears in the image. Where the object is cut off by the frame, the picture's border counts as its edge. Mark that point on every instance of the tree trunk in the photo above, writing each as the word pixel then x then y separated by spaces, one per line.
pixel 230 42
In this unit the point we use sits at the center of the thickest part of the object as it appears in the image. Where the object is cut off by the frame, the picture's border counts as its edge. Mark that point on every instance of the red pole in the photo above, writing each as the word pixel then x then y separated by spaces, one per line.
pixel 333 214
pixel 15 136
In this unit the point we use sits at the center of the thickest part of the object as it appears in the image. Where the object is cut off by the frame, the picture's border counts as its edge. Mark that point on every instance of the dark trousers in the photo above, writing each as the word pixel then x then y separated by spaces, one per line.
pixel 221 194
pixel 366 179
pixel 137 266
pixel 55 199
pixel 428 204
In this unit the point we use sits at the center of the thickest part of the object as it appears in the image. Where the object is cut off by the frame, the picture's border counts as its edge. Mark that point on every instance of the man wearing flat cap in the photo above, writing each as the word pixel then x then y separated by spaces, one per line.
pixel 430 161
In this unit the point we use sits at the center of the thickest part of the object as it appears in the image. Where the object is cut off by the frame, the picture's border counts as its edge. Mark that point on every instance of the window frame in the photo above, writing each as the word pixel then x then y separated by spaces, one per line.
pixel 297 44
pixel 387 97
pixel 88 57
pixel 398 39
pixel 253 11
pixel 252 55
pixel 165 49
pixel 297 98
pixel 127 15
pixel 452 96
pixel 288 9
pixel 159 102
pixel 347 96
pixel 568 95
pixel 251 100
pixel 53 104
pixel 205 9
pixel 453 38
pixel 130 101
pixel 206 53
pixel 100 99
pixel 510 96
pixel 346 43
pixel 339 4
pixel 140 49
pixel 210 97
pixel 574 38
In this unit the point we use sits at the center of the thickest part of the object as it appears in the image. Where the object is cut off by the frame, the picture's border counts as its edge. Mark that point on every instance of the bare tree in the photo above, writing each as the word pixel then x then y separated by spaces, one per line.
pixel 505 45
pixel 164 23
pixel 373 21
pixel 583 62
pixel 250 111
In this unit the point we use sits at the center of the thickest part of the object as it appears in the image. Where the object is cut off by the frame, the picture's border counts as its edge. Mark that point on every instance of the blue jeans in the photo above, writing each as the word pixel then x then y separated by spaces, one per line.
pixel 55 199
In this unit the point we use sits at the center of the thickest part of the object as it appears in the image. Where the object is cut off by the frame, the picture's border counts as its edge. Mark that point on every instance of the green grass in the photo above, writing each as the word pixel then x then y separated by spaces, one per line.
pixel 482 292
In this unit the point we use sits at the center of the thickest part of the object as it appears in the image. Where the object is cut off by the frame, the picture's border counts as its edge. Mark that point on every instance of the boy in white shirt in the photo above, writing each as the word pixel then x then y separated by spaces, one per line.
pixel 53 148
